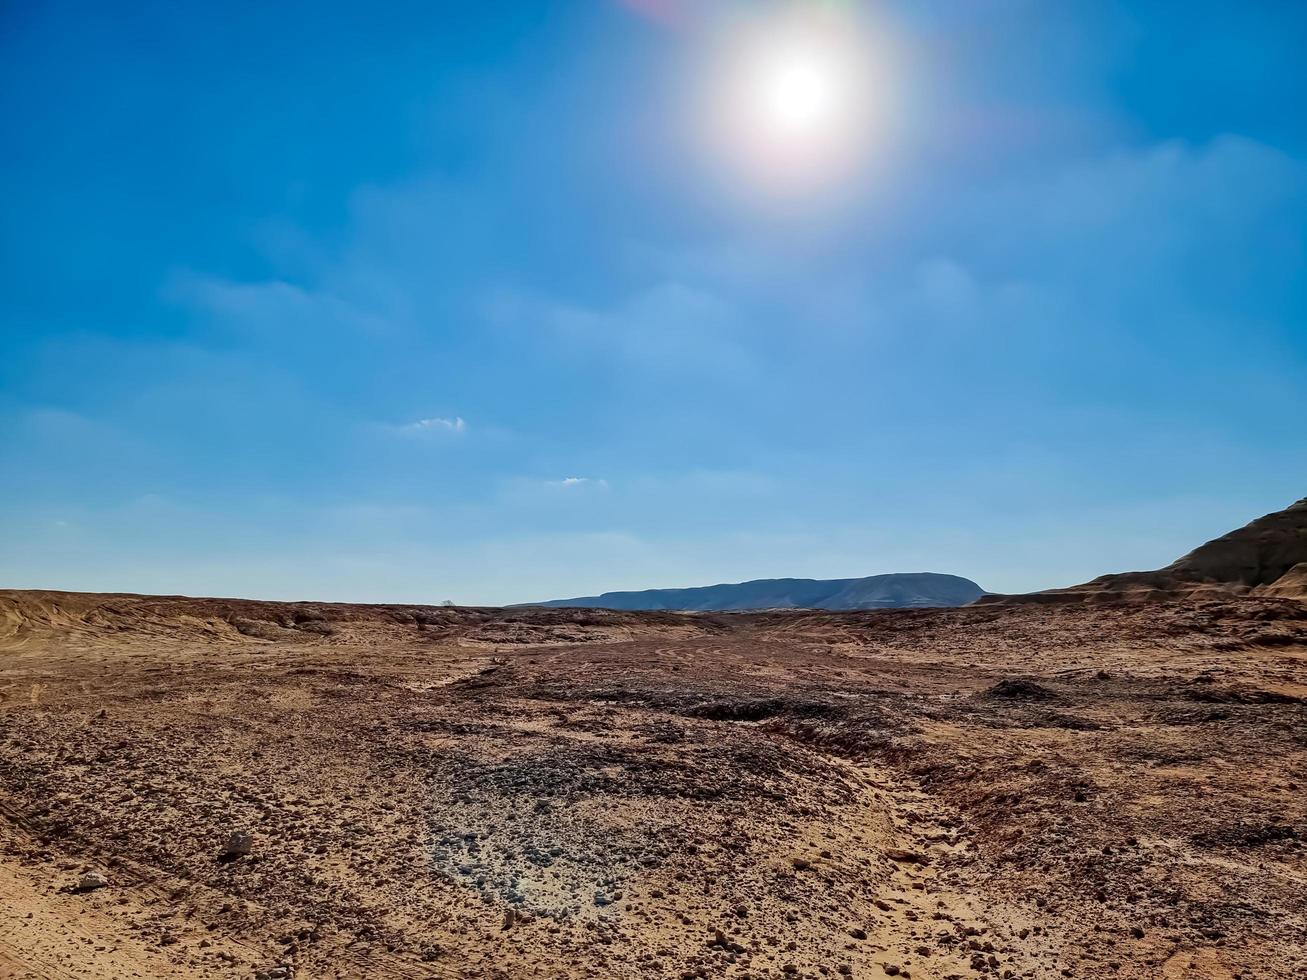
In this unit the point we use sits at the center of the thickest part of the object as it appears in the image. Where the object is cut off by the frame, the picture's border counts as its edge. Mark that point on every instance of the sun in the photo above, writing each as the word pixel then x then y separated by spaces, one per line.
pixel 797 92
pixel 792 98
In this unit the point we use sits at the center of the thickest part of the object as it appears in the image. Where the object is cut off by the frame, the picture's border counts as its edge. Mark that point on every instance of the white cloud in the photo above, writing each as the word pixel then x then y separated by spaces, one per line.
pixel 456 424
pixel 578 481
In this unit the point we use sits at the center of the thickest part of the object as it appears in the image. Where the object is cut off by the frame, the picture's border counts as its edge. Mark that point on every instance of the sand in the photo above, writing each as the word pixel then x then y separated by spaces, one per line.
pixel 1004 791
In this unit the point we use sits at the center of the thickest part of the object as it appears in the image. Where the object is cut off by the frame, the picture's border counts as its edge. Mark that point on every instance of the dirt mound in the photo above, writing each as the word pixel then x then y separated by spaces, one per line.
pixel 1291 585
pixel 1018 689
pixel 1266 557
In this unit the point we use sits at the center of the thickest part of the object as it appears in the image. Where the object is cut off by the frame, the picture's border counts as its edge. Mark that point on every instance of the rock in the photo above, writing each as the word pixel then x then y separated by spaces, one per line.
pixel 858 933
pixel 906 857
pixel 1137 932
pixel 90 881
pixel 239 843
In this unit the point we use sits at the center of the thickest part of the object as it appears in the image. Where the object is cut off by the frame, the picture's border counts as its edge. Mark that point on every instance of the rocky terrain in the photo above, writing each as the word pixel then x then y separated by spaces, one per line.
pixel 216 788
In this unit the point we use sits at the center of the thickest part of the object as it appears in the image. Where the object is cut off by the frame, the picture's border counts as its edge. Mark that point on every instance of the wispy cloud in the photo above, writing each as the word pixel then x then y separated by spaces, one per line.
pixel 456 424
pixel 569 482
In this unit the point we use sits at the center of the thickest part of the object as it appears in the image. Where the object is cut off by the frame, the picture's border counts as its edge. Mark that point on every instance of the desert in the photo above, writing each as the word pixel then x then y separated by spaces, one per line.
pixel 653 490
pixel 225 788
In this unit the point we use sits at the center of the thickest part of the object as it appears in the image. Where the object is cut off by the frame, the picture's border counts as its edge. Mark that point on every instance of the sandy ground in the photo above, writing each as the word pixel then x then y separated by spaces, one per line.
pixel 1031 791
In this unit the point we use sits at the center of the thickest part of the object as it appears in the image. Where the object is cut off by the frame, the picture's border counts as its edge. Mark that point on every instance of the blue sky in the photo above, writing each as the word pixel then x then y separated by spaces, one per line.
pixel 422 301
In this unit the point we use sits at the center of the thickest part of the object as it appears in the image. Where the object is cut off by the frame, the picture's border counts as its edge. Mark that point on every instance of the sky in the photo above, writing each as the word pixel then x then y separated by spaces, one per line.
pixel 495 302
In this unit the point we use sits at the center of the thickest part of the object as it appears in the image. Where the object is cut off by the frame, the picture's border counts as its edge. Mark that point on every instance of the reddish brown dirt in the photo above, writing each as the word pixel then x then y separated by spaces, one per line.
pixel 998 791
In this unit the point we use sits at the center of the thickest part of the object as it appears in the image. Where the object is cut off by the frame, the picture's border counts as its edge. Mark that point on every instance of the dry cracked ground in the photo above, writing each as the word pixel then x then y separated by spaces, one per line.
pixel 998 791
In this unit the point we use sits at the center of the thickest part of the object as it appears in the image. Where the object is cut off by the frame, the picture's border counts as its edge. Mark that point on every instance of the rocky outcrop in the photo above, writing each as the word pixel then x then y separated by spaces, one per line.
pixel 1267 557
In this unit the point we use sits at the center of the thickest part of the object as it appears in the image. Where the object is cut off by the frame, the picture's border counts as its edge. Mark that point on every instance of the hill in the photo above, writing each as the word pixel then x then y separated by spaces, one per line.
pixel 916 590
pixel 1267 557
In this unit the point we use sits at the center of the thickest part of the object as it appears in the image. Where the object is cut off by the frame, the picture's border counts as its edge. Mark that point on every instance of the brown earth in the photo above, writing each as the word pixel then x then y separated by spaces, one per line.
pixel 1034 791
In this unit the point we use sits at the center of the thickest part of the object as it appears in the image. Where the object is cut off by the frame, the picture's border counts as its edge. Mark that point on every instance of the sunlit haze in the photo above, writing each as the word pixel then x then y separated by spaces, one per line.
pixel 794 95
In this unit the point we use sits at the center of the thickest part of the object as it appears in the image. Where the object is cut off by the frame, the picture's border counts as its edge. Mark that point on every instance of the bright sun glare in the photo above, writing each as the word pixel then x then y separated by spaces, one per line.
pixel 798 94
pixel 792 102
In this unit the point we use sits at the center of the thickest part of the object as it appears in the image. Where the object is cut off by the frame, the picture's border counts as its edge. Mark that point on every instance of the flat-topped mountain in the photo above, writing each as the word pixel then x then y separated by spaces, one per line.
pixel 915 590
pixel 1267 557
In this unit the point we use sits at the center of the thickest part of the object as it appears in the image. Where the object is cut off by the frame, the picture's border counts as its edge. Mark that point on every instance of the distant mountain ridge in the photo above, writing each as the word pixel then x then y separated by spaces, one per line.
pixel 913 590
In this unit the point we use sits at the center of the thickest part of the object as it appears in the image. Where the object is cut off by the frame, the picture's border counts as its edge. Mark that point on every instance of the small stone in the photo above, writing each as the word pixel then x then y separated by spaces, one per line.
pixel 906 857
pixel 239 844
pixel 90 881
pixel 1137 932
